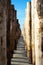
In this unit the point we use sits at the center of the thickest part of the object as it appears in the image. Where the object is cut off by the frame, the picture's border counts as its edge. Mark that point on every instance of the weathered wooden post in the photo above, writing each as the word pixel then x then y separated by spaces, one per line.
pixel 18 32
pixel 24 37
pixel 11 29
pixel 1 20
pixel 33 31
pixel 4 28
pixel 28 31
pixel 38 10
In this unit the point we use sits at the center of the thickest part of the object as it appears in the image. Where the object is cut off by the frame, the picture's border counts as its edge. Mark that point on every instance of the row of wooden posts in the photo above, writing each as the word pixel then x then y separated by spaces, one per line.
pixel 33 32
pixel 9 31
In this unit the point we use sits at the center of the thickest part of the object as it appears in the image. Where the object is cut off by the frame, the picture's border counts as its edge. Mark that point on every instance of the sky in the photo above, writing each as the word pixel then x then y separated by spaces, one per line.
pixel 20 6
